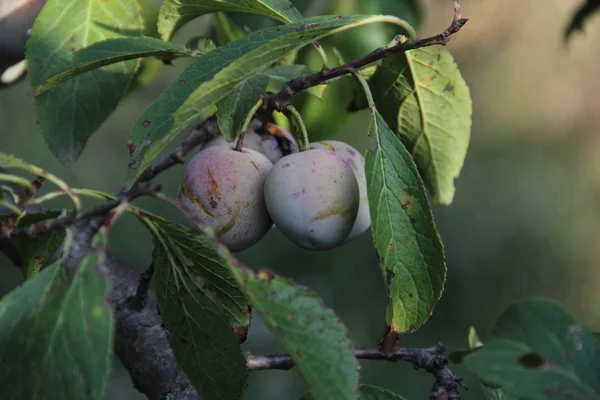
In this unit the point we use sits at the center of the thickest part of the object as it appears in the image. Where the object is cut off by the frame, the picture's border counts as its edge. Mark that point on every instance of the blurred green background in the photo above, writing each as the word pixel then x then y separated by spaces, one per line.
pixel 524 219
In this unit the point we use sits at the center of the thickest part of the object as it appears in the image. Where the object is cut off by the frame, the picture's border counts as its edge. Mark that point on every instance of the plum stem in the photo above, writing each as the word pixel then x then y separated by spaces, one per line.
pixel 300 131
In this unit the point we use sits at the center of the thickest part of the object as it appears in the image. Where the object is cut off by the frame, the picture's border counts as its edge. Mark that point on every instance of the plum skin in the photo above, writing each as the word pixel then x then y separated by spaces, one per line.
pixel 313 198
pixel 356 162
pixel 224 189
pixel 266 143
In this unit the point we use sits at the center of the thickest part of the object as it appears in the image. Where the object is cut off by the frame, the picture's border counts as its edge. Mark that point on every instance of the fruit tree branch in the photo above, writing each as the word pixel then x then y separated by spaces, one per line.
pixel 280 100
pixel 430 359
pixel 141 187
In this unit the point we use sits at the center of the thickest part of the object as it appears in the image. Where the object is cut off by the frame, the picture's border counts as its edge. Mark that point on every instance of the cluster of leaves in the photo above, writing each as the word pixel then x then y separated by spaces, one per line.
pixel 84 56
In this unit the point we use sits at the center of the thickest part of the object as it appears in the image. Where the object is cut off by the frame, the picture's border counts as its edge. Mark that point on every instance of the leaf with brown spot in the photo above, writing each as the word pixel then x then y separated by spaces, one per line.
pixel 409 250
pixel 311 333
pixel 538 350
pixel 424 99
pixel 198 297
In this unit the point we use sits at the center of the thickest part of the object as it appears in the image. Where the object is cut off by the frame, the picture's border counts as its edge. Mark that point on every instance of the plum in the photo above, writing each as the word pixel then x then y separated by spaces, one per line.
pixel 313 198
pixel 356 162
pixel 273 141
pixel 223 188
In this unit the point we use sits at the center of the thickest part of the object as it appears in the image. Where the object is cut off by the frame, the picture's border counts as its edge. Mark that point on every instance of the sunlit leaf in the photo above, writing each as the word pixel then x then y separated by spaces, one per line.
pixel 214 75
pixel 424 99
pixel 56 333
pixel 410 252
pixel 538 350
pixel 112 51
pixel 175 13
pixel 70 113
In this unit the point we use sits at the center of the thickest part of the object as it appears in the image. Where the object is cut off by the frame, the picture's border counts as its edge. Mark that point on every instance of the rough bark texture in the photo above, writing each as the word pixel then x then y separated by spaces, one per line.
pixel 140 341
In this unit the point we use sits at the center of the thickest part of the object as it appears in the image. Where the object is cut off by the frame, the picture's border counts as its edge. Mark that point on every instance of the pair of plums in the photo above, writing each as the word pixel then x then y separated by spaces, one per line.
pixel 317 198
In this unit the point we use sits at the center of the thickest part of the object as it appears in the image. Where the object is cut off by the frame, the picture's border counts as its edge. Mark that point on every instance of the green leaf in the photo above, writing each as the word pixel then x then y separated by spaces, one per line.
pixel 56 333
pixel 149 67
pixel 199 303
pixel 214 75
pixel 410 252
pixel 112 51
pixel 357 43
pixel 424 99
pixel 491 393
pixel 201 44
pixel 538 350
pixel 311 333
pixel 367 392
pixel 175 13
pixel 281 74
pixel 70 113
pixel 234 108
pixel 226 29
pixel 36 253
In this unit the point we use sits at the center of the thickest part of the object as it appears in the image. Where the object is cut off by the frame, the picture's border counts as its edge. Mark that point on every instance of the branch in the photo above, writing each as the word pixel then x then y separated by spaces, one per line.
pixel 140 342
pixel 280 100
pixel 141 187
pixel 430 359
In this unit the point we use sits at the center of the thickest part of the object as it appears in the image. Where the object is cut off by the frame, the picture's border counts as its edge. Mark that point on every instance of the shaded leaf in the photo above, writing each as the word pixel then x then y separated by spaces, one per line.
pixel 56 333
pixel 311 333
pixel 233 109
pixel 214 75
pixel 201 44
pixel 367 392
pixel 410 252
pixel 199 303
pixel 9 161
pixel 112 51
pixel 175 13
pixel 70 113
pixel 583 13
pixel 424 99
pixel 36 253
pixel 226 29
pixel 538 350
pixel 150 66
pixel 491 393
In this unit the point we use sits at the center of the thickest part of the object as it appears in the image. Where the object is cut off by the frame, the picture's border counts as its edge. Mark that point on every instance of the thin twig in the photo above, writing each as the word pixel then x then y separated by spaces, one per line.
pixel 430 359
pixel 48 225
pixel 280 100
pixel 140 299
pixel 141 187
